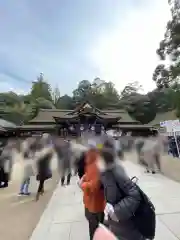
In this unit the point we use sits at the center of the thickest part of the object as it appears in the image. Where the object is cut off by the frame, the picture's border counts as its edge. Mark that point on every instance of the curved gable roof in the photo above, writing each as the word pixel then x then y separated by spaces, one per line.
pixel 6 124
pixel 160 117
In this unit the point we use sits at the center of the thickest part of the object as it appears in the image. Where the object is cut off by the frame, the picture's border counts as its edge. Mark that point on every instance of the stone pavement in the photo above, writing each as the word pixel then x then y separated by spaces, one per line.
pixel 64 216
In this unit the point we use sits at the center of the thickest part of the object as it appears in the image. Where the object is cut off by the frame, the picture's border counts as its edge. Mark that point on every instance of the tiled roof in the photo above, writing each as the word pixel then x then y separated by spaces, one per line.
pixel 48 115
pixel 2 129
pixel 160 117
pixel 131 126
pixel 6 124
pixel 125 117
pixel 37 126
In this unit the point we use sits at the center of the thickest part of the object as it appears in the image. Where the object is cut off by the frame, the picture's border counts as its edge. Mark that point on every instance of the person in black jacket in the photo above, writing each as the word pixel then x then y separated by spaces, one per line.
pixel 6 162
pixel 43 159
pixel 119 209
pixel 80 164
pixel 64 155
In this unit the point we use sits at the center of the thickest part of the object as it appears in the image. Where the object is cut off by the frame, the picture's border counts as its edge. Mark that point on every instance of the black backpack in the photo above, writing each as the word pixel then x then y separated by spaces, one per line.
pixel 144 218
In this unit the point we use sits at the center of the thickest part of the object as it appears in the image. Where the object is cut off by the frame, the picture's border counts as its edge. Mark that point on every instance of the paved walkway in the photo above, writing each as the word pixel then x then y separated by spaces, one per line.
pixel 64 216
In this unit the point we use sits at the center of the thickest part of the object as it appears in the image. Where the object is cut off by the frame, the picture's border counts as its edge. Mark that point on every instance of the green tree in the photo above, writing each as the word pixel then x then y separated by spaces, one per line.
pixel 41 89
pixel 13 116
pixel 175 97
pixel 110 95
pixel 163 99
pixel 44 103
pixel 56 96
pixel 142 109
pixel 83 91
pixel 103 95
pixel 12 107
pixel 10 99
pixel 131 89
pixel 169 49
pixel 27 99
pixel 161 76
pixel 138 105
pixel 65 102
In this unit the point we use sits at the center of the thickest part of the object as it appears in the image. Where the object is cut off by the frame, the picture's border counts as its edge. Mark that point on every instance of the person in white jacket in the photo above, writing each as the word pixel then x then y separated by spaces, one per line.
pixel 27 154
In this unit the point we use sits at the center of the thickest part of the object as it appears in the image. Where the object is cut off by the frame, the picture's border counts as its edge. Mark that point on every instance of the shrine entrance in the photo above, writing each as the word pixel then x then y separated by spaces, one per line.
pixel 85 118
pixel 84 123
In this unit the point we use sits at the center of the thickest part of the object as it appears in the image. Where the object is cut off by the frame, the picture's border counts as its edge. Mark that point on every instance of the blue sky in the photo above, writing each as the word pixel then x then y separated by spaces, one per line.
pixel 72 40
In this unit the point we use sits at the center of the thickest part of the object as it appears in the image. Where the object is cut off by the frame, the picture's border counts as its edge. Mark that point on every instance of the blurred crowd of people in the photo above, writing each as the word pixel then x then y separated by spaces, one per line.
pixel 174 146
pixel 110 196
pixel 35 155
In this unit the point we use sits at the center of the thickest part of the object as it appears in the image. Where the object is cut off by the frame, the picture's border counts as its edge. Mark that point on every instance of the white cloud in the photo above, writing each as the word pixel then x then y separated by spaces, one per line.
pixel 6 87
pixel 127 53
pixel 7 84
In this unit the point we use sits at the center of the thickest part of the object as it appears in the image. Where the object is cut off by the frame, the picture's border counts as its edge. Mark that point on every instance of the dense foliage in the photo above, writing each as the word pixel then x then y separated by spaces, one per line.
pixel 166 74
pixel 103 95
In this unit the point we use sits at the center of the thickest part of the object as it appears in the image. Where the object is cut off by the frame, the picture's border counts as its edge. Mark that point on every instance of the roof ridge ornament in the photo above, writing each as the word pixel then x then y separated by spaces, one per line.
pixel 87 105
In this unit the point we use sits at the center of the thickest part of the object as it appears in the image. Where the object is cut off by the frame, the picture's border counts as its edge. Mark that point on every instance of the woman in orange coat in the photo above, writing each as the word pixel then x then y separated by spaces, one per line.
pixel 93 192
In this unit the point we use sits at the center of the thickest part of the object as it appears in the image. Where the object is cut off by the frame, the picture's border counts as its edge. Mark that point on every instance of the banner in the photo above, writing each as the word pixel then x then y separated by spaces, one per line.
pixel 170 125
